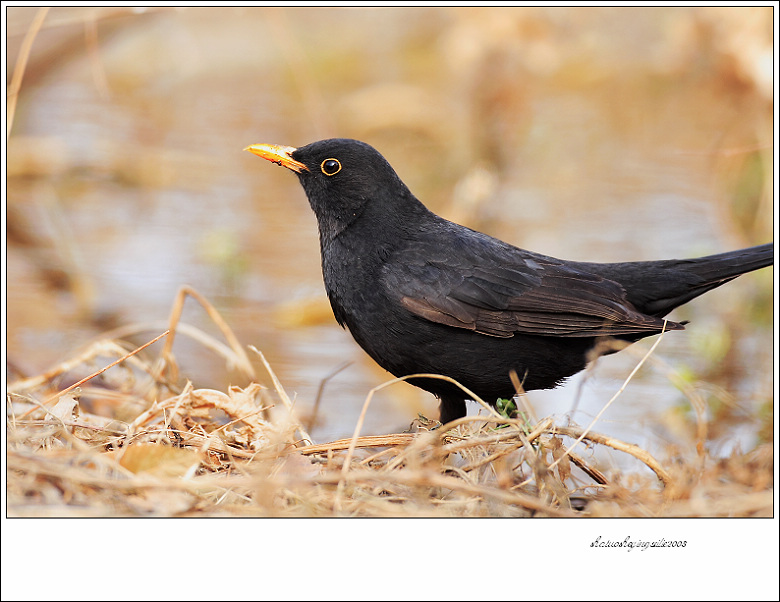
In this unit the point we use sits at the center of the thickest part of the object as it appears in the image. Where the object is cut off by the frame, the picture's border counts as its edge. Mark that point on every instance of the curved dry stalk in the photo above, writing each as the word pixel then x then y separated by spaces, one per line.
pixel 629 448
pixel 21 66
pixel 283 395
pixel 593 473
pixel 240 358
pixel 320 389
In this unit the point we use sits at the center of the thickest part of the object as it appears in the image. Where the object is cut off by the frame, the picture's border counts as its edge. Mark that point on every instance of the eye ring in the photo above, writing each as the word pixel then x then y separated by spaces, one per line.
pixel 330 167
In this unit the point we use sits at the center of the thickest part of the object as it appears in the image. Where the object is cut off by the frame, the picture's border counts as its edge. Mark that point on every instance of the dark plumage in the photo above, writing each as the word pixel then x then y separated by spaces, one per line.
pixel 424 295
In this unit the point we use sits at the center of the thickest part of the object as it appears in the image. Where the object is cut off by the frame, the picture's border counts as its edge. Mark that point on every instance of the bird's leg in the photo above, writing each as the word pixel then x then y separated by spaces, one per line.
pixel 451 408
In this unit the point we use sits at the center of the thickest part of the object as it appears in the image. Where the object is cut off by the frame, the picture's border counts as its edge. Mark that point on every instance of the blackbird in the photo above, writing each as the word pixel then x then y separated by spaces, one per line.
pixel 421 294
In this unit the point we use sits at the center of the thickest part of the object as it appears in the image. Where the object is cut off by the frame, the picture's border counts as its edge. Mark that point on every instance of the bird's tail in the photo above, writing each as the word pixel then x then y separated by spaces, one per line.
pixel 695 277
pixel 657 287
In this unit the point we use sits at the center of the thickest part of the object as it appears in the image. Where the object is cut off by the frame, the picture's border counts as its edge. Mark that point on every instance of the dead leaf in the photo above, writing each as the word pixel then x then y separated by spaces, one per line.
pixel 66 409
pixel 564 464
pixel 159 460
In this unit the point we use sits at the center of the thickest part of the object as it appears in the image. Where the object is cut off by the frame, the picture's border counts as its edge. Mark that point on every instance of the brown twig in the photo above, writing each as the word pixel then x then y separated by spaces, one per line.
pixel 629 448
pixel 393 440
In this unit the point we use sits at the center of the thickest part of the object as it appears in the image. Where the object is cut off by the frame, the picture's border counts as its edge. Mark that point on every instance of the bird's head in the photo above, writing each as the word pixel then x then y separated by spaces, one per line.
pixel 342 179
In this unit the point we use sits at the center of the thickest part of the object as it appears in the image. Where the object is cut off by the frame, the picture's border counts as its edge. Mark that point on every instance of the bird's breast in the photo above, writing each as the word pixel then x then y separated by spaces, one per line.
pixel 353 282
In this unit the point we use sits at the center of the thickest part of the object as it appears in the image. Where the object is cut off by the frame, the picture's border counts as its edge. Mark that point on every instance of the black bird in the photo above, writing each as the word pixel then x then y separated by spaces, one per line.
pixel 421 294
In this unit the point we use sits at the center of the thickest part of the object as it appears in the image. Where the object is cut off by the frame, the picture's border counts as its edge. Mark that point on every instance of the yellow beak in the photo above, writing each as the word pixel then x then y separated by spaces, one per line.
pixel 281 155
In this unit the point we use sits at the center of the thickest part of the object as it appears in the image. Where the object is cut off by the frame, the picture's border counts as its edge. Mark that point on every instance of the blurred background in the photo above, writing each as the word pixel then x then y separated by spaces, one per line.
pixel 596 134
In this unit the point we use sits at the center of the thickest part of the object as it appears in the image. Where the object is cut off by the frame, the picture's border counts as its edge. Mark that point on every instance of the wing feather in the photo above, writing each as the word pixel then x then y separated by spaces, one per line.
pixel 501 293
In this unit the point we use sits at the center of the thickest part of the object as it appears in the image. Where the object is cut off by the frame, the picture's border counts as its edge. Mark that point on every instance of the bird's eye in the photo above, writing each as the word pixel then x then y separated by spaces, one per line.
pixel 330 167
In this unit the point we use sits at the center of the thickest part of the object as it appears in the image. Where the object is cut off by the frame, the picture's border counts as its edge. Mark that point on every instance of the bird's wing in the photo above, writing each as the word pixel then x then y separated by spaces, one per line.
pixel 500 291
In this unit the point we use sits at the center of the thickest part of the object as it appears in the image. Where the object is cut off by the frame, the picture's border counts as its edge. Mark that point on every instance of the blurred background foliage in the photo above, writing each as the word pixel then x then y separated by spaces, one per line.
pixel 603 134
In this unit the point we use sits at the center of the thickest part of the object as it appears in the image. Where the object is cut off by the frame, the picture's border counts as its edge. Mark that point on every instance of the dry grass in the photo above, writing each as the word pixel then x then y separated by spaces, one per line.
pixel 132 441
